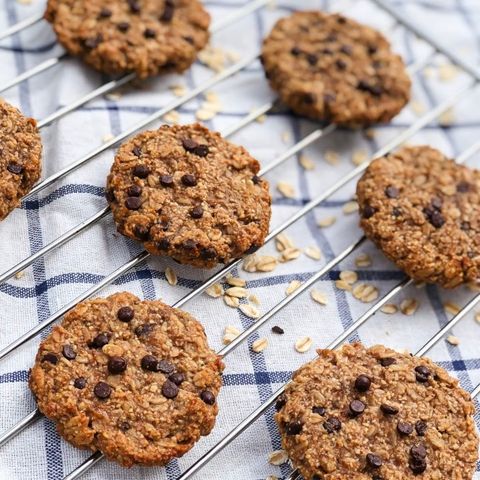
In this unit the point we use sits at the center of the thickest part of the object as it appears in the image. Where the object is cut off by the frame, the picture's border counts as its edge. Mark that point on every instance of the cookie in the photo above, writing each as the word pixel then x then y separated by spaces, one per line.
pixel 330 68
pixel 147 37
pixel 134 379
pixel 187 193
pixel 371 414
pixel 423 211
pixel 20 157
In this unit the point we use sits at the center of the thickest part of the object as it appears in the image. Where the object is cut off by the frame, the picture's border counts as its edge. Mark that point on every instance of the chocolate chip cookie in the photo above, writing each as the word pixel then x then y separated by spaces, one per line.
pixel 134 379
pixel 187 193
pixel 371 414
pixel 423 211
pixel 20 157
pixel 328 67
pixel 147 37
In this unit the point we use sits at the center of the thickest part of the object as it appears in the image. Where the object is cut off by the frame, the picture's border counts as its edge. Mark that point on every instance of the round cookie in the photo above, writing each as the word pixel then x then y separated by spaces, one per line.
pixel 371 414
pixel 134 379
pixel 328 67
pixel 20 157
pixel 423 211
pixel 147 37
pixel 187 193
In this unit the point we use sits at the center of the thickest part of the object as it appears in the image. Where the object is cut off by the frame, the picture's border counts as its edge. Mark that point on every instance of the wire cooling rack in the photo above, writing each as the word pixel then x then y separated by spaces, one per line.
pixel 268 380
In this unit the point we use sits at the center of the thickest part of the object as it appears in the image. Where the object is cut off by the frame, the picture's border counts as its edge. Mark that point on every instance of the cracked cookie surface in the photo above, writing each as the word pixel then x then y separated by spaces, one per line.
pixel 373 413
pixel 423 211
pixel 147 37
pixel 187 193
pixel 330 68
pixel 20 157
pixel 134 379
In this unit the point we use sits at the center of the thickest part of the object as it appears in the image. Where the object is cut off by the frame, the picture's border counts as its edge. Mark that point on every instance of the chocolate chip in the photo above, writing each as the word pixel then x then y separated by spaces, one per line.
pixel 124 426
pixel 404 428
pixel 189 39
pixel 163 244
pixel 369 211
pixel 144 329
pixel 373 461
pixel 362 383
pixel 356 407
pixel 341 20
pixel 417 466
pixel 80 383
pixel 372 49
pixel 196 212
pixel 252 249
pixel 392 192
pixel 417 461
pixel 312 59
pixel 137 151
pixel 396 212
pixel 15 168
pixel 208 397
pixel 327 51
pixel 208 253
pixel 364 86
pixel 340 64
pixel 329 97
pixel 278 330
pixel 346 49
pixel 125 314
pixel 465 226
pixel 202 150
pixel 123 27
pixel 133 203
pixel 436 203
pixel 134 6
pixel 105 13
pixel 51 358
pixel 422 373
pixel 134 191
pixel 421 428
pixel 388 409
pixel 166 180
pixel 68 352
pixel 189 180
pixel 165 367
pixel 99 341
pixel 309 98
pixel 189 244
pixel 295 51
pixel 141 171
pixel 332 424
pixel 256 179
pixel 93 42
pixel 142 232
pixel 149 33
pixel 168 11
pixel 293 428
pixel 117 365
pixel 169 389
pixel 418 451
pixel 177 378
pixel 435 218
pixel 463 187
pixel 189 144
pixel 149 363
pixel 102 390
pixel 280 403
pixel 319 410
pixel 386 362
pixel 110 195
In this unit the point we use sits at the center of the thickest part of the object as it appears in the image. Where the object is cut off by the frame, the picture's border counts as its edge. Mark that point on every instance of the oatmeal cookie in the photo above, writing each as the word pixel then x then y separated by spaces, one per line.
pixel 371 414
pixel 423 211
pixel 134 379
pixel 331 68
pixel 187 193
pixel 147 37
pixel 20 157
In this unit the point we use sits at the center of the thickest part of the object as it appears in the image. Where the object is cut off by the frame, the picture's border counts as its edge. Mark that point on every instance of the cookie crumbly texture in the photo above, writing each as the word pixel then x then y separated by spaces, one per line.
pixel 134 379
pixel 148 37
pixel 330 68
pixel 423 211
pixel 374 413
pixel 187 193
pixel 20 157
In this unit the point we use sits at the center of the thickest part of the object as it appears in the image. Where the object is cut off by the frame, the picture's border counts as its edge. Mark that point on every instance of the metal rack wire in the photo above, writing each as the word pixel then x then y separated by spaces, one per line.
pixel 311 138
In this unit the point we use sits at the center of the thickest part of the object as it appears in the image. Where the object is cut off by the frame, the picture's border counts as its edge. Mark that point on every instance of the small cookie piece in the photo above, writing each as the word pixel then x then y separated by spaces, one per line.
pixel 331 68
pixel 134 379
pixel 423 211
pixel 147 37
pixel 20 157
pixel 374 413
pixel 187 193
